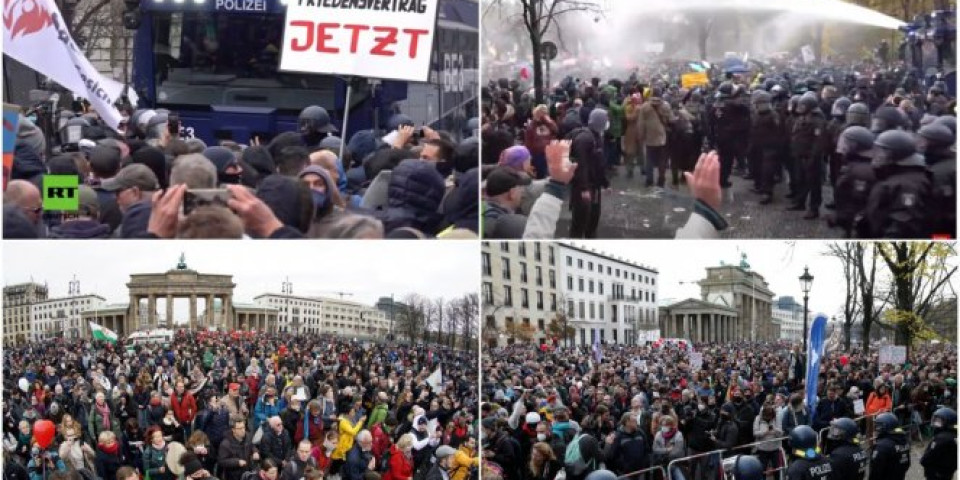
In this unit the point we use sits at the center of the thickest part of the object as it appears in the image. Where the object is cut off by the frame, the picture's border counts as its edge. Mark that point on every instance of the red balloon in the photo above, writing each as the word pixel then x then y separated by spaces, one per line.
pixel 43 431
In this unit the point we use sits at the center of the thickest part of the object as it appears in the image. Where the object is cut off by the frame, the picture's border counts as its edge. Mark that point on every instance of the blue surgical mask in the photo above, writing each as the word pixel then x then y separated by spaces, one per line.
pixel 320 200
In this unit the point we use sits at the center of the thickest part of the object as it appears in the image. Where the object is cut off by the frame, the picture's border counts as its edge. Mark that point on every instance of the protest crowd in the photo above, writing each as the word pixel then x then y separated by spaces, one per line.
pixel 881 136
pixel 148 182
pixel 241 406
pixel 628 412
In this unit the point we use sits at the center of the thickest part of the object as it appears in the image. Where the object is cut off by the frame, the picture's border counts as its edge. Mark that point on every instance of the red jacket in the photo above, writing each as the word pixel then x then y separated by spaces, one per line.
pixel 253 384
pixel 401 467
pixel 185 409
pixel 381 441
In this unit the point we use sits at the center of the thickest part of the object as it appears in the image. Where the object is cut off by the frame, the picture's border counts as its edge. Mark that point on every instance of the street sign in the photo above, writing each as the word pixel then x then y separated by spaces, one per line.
pixel 348 38
pixel 548 50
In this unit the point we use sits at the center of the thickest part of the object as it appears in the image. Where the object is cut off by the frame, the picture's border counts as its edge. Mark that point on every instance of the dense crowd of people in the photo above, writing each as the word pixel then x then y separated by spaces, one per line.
pixel 413 182
pixel 250 407
pixel 554 413
pixel 883 139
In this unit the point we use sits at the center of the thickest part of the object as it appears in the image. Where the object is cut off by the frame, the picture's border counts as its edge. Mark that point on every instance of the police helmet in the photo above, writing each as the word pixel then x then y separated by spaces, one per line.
pixel 792 103
pixel 844 429
pixel 855 139
pixel 803 442
pixel 768 84
pixel 812 84
pixel 947 121
pixel 315 119
pixel 72 133
pixel 858 114
pixel 778 90
pixel 743 467
pixel 602 475
pixel 938 88
pixel 840 107
pixel 827 79
pixel 886 422
pixel 886 118
pixel 944 419
pixel 934 137
pixel 807 103
pixel 725 90
pixel 760 96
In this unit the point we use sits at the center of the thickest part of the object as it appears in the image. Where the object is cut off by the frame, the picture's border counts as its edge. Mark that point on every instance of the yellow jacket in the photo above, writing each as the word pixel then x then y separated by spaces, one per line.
pixel 463 460
pixel 347 432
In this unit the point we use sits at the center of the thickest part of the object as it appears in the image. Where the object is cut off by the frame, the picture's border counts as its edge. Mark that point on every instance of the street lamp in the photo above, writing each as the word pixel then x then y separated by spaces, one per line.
pixel 806 281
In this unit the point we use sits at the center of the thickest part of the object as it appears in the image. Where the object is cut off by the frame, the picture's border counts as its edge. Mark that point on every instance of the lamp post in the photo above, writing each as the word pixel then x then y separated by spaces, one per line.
pixel 806 281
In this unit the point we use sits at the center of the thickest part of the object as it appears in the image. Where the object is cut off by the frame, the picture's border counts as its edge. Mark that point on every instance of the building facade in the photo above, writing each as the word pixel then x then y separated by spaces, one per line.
pixel 316 315
pixel 519 292
pixel 790 315
pixel 698 321
pixel 747 292
pixel 605 297
pixel 62 317
pixel 18 301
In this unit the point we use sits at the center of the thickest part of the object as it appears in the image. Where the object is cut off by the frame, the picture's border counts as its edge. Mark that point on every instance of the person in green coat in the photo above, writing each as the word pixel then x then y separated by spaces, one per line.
pixel 379 413
pixel 609 98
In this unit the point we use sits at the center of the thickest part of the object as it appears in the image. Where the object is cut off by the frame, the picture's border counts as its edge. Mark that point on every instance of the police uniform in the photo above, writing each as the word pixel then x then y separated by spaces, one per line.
pixel 891 458
pixel 900 204
pixel 766 141
pixel 806 142
pixel 852 191
pixel 944 171
pixel 849 462
pixel 731 119
pixel 810 469
pixel 939 460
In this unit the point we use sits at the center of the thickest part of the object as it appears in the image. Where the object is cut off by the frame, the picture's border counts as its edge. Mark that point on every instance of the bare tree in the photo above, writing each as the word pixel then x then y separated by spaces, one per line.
pixel 469 307
pixel 870 304
pixel 411 317
pixel 844 251
pixel 919 272
pixel 538 17
pixel 438 308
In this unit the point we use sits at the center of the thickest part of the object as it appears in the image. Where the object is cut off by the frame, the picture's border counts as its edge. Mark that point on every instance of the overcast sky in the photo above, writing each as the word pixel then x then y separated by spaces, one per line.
pixel 779 263
pixel 367 269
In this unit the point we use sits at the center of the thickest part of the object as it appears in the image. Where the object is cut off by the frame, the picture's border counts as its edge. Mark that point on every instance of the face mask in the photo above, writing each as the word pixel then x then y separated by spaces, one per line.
pixel 701 407
pixel 665 429
pixel 319 199
pixel 230 178
pixel 541 437
pixel 329 446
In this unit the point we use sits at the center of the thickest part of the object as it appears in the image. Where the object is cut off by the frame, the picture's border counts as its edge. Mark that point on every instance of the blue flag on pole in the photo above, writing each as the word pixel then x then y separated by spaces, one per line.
pixel 815 343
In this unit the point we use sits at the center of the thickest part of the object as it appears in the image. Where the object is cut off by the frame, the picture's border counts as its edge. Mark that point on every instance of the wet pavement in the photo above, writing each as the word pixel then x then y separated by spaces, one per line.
pixel 631 210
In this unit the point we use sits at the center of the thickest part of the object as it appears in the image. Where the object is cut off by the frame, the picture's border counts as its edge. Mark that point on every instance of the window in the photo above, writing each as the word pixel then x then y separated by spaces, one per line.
pixel 504 246
pixel 580 283
pixel 570 282
pixel 583 336
pixel 653 281
pixel 538 273
pixel 523 272
pixel 551 256
pixel 590 266
pixel 579 263
pixel 536 251
pixel 540 324
pixel 583 309
pixel 613 313
pixel 486 264
pixel 653 297
pixel 488 293
pixel 608 269
pixel 591 286
pixel 602 336
pixel 593 311
pixel 553 302
pixel 614 336
pixel 522 249
pixel 569 261
pixel 571 311
pixel 553 279
pixel 507 296
pixel 600 308
pixel 539 300
pixel 506 268
pixel 633 293
pixel 600 287
pixel 618 273
pixel 646 295
pixel 524 298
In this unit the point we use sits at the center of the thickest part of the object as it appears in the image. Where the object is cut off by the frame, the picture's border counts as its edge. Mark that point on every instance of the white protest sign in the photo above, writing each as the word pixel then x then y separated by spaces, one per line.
pixel 858 407
pixel 391 39
pixel 807 52
pixel 893 354
pixel 696 360
pixel 34 34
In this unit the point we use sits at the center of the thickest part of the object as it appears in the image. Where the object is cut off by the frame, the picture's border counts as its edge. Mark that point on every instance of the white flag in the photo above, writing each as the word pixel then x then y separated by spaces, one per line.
pixel 435 380
pixel 35 34
pixel 807 52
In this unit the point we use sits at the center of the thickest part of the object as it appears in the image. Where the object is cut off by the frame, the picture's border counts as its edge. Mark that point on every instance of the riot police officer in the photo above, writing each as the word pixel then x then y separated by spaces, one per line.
pixel 848 460
pixel 939 460
pixel 858 114
pixel 891 452
pixel 856 178
pixel 808 464
pixel 742 467
pixel 314 123
pixel 730 120
pixel 807 140
pixel 766 138
pixel 838 113
pixel 887 118
pixel 936 143
pixel 900 203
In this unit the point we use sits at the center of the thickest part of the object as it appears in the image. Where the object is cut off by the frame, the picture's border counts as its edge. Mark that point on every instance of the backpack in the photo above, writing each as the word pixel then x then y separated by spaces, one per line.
pixel 573 460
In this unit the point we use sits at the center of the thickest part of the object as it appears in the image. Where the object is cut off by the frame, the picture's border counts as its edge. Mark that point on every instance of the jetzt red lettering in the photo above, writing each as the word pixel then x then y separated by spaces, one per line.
pixel 384 42
pixel 296 46
pixel 355 36
pixel 414 38
pixel 322 38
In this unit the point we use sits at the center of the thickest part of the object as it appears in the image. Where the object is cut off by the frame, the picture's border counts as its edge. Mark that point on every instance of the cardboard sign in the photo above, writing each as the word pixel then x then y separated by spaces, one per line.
pixel 695 79
pixel 390 39
pixel 858 407
pixel 893 354
pixel 696 360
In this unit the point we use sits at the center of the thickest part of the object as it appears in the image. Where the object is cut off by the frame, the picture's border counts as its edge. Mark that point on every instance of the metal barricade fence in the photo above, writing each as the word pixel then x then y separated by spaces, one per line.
pixel 663 473
pixel 782 469
pixel 675 463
